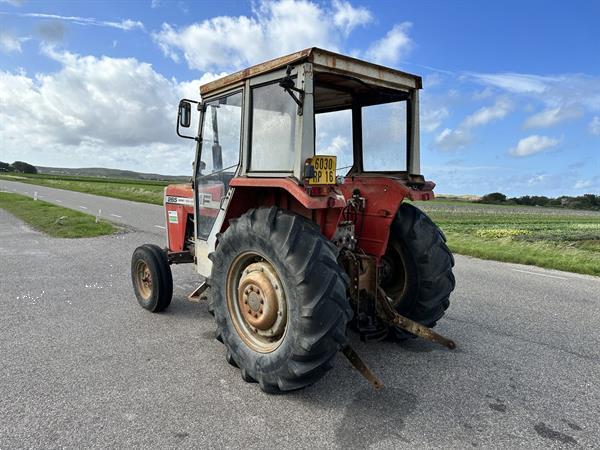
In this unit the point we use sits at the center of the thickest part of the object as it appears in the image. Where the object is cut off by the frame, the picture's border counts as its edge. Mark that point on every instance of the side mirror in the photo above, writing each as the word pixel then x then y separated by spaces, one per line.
pixel 185 114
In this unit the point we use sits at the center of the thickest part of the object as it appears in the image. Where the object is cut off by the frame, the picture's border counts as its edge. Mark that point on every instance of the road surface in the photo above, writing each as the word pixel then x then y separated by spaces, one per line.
pixel 84 366
pixel 141 216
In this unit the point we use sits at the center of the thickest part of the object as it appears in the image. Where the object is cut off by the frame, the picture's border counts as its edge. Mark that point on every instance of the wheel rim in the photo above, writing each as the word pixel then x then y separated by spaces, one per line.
pixel 393 273
pixel 256 302
pixel 143 279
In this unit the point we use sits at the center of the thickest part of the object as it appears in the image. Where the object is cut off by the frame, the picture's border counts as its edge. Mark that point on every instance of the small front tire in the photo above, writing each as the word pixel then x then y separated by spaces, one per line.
pixel 151 277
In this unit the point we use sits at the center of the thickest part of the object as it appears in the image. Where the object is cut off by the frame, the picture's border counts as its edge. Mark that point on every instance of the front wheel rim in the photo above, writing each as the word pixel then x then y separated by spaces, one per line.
pixel 143 279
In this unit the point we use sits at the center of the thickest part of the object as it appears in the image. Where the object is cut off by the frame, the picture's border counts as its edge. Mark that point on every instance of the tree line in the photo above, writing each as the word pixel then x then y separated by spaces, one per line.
pixel 586 201
pixel 17 166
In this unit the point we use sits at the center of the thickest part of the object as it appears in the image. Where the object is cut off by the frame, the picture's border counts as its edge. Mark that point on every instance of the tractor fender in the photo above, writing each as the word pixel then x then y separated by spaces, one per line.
pixel 333 199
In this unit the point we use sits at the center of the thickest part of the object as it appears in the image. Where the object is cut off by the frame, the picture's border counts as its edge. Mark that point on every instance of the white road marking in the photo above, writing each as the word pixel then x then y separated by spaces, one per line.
pixel 540 274
pixel 116 215
pixel 83 207
pixel 160 226
pixel 59 201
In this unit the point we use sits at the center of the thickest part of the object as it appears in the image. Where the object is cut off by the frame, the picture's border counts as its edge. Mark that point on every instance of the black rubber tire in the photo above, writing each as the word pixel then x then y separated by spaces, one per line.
pixel 427 264
pixel 160 272
pixel 315 287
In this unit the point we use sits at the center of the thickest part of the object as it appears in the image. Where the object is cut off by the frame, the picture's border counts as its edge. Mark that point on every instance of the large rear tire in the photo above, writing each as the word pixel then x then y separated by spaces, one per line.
pixel 417 268
pixel 279 299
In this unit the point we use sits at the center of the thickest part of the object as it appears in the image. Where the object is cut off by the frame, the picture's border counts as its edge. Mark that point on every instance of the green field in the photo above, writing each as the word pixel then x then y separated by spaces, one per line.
pixel 146 191
pixel 553 238
pixel 562 239
pixel 54 220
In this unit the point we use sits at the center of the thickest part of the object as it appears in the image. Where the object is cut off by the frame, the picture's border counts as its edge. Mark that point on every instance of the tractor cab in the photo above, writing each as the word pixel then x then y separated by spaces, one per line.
pixel 314 123
pixel 295 216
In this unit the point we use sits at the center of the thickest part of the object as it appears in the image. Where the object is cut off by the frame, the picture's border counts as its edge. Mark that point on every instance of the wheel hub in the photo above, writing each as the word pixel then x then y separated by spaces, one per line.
pixel 261 300
pixel 144 279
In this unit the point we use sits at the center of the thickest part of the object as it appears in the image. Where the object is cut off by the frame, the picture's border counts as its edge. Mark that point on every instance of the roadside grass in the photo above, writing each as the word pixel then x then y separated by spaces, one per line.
pixel 54 220
pixel 559 239
pixel 147 191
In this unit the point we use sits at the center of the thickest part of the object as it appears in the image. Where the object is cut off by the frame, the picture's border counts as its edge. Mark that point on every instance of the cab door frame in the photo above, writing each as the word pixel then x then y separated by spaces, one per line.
pixel 206 246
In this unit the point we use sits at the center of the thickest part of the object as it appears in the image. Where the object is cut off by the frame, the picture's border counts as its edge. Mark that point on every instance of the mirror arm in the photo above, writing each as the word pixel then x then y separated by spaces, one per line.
pixel 287 83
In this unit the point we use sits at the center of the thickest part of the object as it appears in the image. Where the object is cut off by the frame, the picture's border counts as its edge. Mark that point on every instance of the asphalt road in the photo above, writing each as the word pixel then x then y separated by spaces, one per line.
pixel 141 216
pixel 84 366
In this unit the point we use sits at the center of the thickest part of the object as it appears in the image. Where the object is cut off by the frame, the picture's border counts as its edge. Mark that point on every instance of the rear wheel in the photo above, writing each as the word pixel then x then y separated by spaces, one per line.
pixel 279 299
pixel 151 277
pixel 417 268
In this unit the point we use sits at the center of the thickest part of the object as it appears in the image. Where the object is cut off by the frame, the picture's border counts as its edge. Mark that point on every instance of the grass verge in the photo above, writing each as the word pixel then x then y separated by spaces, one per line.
pixel 559 239
pixel 146 191
pixel 54 220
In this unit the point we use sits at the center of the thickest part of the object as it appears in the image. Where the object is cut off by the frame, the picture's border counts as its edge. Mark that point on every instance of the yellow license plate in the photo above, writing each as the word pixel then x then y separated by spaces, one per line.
pixel 324 170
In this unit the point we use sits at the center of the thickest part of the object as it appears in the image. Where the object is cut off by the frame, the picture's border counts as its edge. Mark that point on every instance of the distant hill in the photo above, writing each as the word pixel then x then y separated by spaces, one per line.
pixel 102 172
pixel 466 197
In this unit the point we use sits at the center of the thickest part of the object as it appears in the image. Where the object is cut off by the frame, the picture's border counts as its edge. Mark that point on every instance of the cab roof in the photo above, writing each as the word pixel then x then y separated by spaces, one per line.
pixel 323 61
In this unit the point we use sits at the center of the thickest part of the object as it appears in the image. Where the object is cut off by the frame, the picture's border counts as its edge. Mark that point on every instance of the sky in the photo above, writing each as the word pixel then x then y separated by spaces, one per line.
pixel 511 98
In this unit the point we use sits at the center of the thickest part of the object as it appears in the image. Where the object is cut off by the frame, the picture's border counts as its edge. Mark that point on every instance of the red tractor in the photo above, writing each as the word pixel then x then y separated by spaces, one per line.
pixel 295 217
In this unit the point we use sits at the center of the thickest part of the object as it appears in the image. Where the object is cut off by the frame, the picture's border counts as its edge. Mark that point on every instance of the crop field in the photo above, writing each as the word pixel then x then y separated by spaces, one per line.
pixel 146 191
pixel 553 238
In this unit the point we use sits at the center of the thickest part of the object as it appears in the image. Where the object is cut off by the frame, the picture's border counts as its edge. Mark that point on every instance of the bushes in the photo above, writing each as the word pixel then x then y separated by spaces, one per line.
pixel 495 198
pixel 17 166
pixel 587 201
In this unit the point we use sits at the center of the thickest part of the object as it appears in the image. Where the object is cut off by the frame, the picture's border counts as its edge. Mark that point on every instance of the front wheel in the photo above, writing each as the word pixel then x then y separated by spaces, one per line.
pixel 151 277
pixel 279 299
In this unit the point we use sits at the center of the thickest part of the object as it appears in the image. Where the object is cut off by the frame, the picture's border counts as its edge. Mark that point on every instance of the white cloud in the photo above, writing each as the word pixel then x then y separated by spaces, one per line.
pixel 565 96
pixel 274 29
pixel 190 89
pixel 450 139
pixel 594 126
pixel 514 82
pixel 390 49
pixel 14 2
pixel 10 43
pixel 537 179
pixel 126 24
pixel 533 144
pixel 347 17
pixel 551 116
pixel 583 184
pixel 432 118
pixel 454 139
pixel 484 93
pixel 112 112
pixel 488 114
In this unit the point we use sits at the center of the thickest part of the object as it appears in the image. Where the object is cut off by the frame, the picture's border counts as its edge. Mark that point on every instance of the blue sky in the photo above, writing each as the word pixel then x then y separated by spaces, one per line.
pixel 511 98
